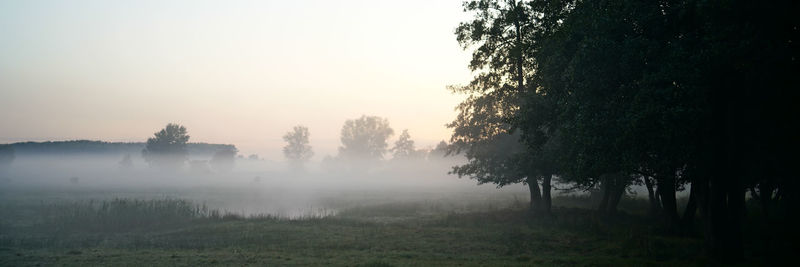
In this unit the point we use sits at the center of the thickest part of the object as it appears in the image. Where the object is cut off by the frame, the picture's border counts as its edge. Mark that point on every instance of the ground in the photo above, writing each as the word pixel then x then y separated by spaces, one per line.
pixel 422 233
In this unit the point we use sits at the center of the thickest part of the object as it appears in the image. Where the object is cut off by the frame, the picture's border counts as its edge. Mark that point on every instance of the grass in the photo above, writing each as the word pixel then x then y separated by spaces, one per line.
pixel 123 232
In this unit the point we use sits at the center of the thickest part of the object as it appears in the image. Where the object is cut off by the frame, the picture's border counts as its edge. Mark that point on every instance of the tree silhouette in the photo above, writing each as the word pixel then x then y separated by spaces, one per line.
pixel 670 93
pixel 167 149
pixel 365 138
pixel 439 151
pixel 297 150
pixel 404 147
pixel 502 36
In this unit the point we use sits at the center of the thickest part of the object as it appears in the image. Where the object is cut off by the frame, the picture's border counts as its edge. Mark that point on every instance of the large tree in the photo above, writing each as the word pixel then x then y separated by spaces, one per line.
pixel 297 149
pixel 166 150
pixel 364 139
pixel 502 36
pixel 589 71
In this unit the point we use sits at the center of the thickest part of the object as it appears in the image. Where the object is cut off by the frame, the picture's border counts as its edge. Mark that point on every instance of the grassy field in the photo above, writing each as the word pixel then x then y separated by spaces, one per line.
pixel 361 232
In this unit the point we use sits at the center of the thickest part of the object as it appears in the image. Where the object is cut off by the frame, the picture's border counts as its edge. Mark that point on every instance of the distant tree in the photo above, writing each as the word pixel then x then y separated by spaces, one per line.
pixel 441 147
pixel 439 151
pixel 126 163
pixel 224 159
pixel 365 138
pixel 297 150
pixel 6 155
pixel 253 157
pixel 404 147
pixel 167 149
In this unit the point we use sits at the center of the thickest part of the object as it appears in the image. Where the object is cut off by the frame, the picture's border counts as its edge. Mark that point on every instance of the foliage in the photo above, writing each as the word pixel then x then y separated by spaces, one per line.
pixel 297 149
pixel 404 148
pixel 167 149
pixel 500 57
pixel 365 138
pixel 665 90
pixel 88 147
pixel 504 36
pixel 439 151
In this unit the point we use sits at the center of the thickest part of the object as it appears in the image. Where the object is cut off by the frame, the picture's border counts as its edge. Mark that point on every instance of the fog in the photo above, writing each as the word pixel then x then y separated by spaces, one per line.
pixel 252 187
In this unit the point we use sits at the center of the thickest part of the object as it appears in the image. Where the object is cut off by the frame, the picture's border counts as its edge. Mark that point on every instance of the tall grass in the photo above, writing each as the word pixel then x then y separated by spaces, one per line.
pixel 122 214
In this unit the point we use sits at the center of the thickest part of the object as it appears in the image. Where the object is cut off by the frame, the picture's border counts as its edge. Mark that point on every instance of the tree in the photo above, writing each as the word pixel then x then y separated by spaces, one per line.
pixel 503 34
pixel 582 98
pixel 494 153
pixel 364 139
pixel 440 150
pixel 167 149
pixel 674 92
pixel 224 159
pixel 6 155
pixel 297 149
pixel 404 147
pixel 745 55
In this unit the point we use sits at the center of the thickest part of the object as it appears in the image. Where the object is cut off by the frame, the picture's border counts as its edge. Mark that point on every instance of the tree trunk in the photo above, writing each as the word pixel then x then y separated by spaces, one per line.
pixel 546 187
pixel 536 197
pixel 655 204
pixel 700 185
pixel 605 186
pixel 690 211
pixel 726 199
pixel 765 197
pixel 666 188
pixel 618 189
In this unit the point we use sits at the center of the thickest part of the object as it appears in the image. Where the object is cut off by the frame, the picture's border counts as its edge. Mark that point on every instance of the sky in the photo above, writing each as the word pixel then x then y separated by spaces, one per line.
pixel 232 72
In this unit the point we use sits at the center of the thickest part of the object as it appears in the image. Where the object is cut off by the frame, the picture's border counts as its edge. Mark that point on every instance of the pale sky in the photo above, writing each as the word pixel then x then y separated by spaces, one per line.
pixel 233 72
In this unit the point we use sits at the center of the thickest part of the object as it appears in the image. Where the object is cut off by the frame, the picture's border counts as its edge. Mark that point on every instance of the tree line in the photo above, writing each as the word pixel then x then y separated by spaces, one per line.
pixel 609 94
pixel 364 140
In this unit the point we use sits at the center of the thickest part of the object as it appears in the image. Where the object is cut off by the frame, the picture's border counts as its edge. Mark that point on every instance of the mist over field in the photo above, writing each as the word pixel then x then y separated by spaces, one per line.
pixel 399 133
pixel 251 187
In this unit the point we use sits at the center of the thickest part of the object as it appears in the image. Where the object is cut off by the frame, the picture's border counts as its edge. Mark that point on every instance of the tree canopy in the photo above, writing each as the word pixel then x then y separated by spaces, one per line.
pixel 297 149
pixel 404 148
pixel 167 148
pixel 502 36
pixel 606 94
pixel 365 138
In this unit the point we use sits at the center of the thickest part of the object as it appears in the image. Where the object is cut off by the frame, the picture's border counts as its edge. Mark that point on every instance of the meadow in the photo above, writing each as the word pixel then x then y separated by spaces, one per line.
pixel 189 227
